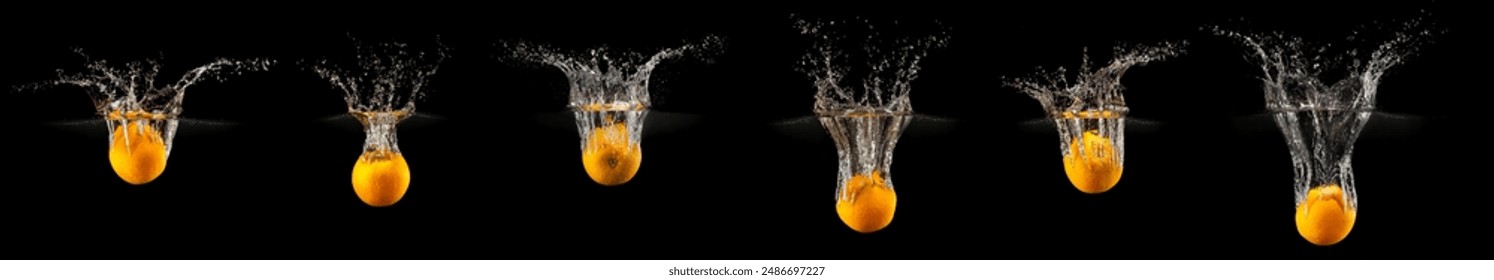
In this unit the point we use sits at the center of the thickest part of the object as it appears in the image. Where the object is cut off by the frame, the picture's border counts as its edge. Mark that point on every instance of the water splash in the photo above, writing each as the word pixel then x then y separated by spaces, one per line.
pixel 142 115
pixel 862 100
pixel 1090 112
pixel 1299 73
pixel 609 94
pixel 385 76
pixel 877 76
pixel 1321 95
pixel 607 75
pixel 381 87
pixel 1092 89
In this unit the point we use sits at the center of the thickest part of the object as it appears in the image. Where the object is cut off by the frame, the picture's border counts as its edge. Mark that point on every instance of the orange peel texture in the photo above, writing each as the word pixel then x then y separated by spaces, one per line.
pixel 868 204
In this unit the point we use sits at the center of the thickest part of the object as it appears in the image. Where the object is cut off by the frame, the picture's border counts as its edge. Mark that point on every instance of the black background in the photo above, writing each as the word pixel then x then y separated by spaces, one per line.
pixel 491 182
